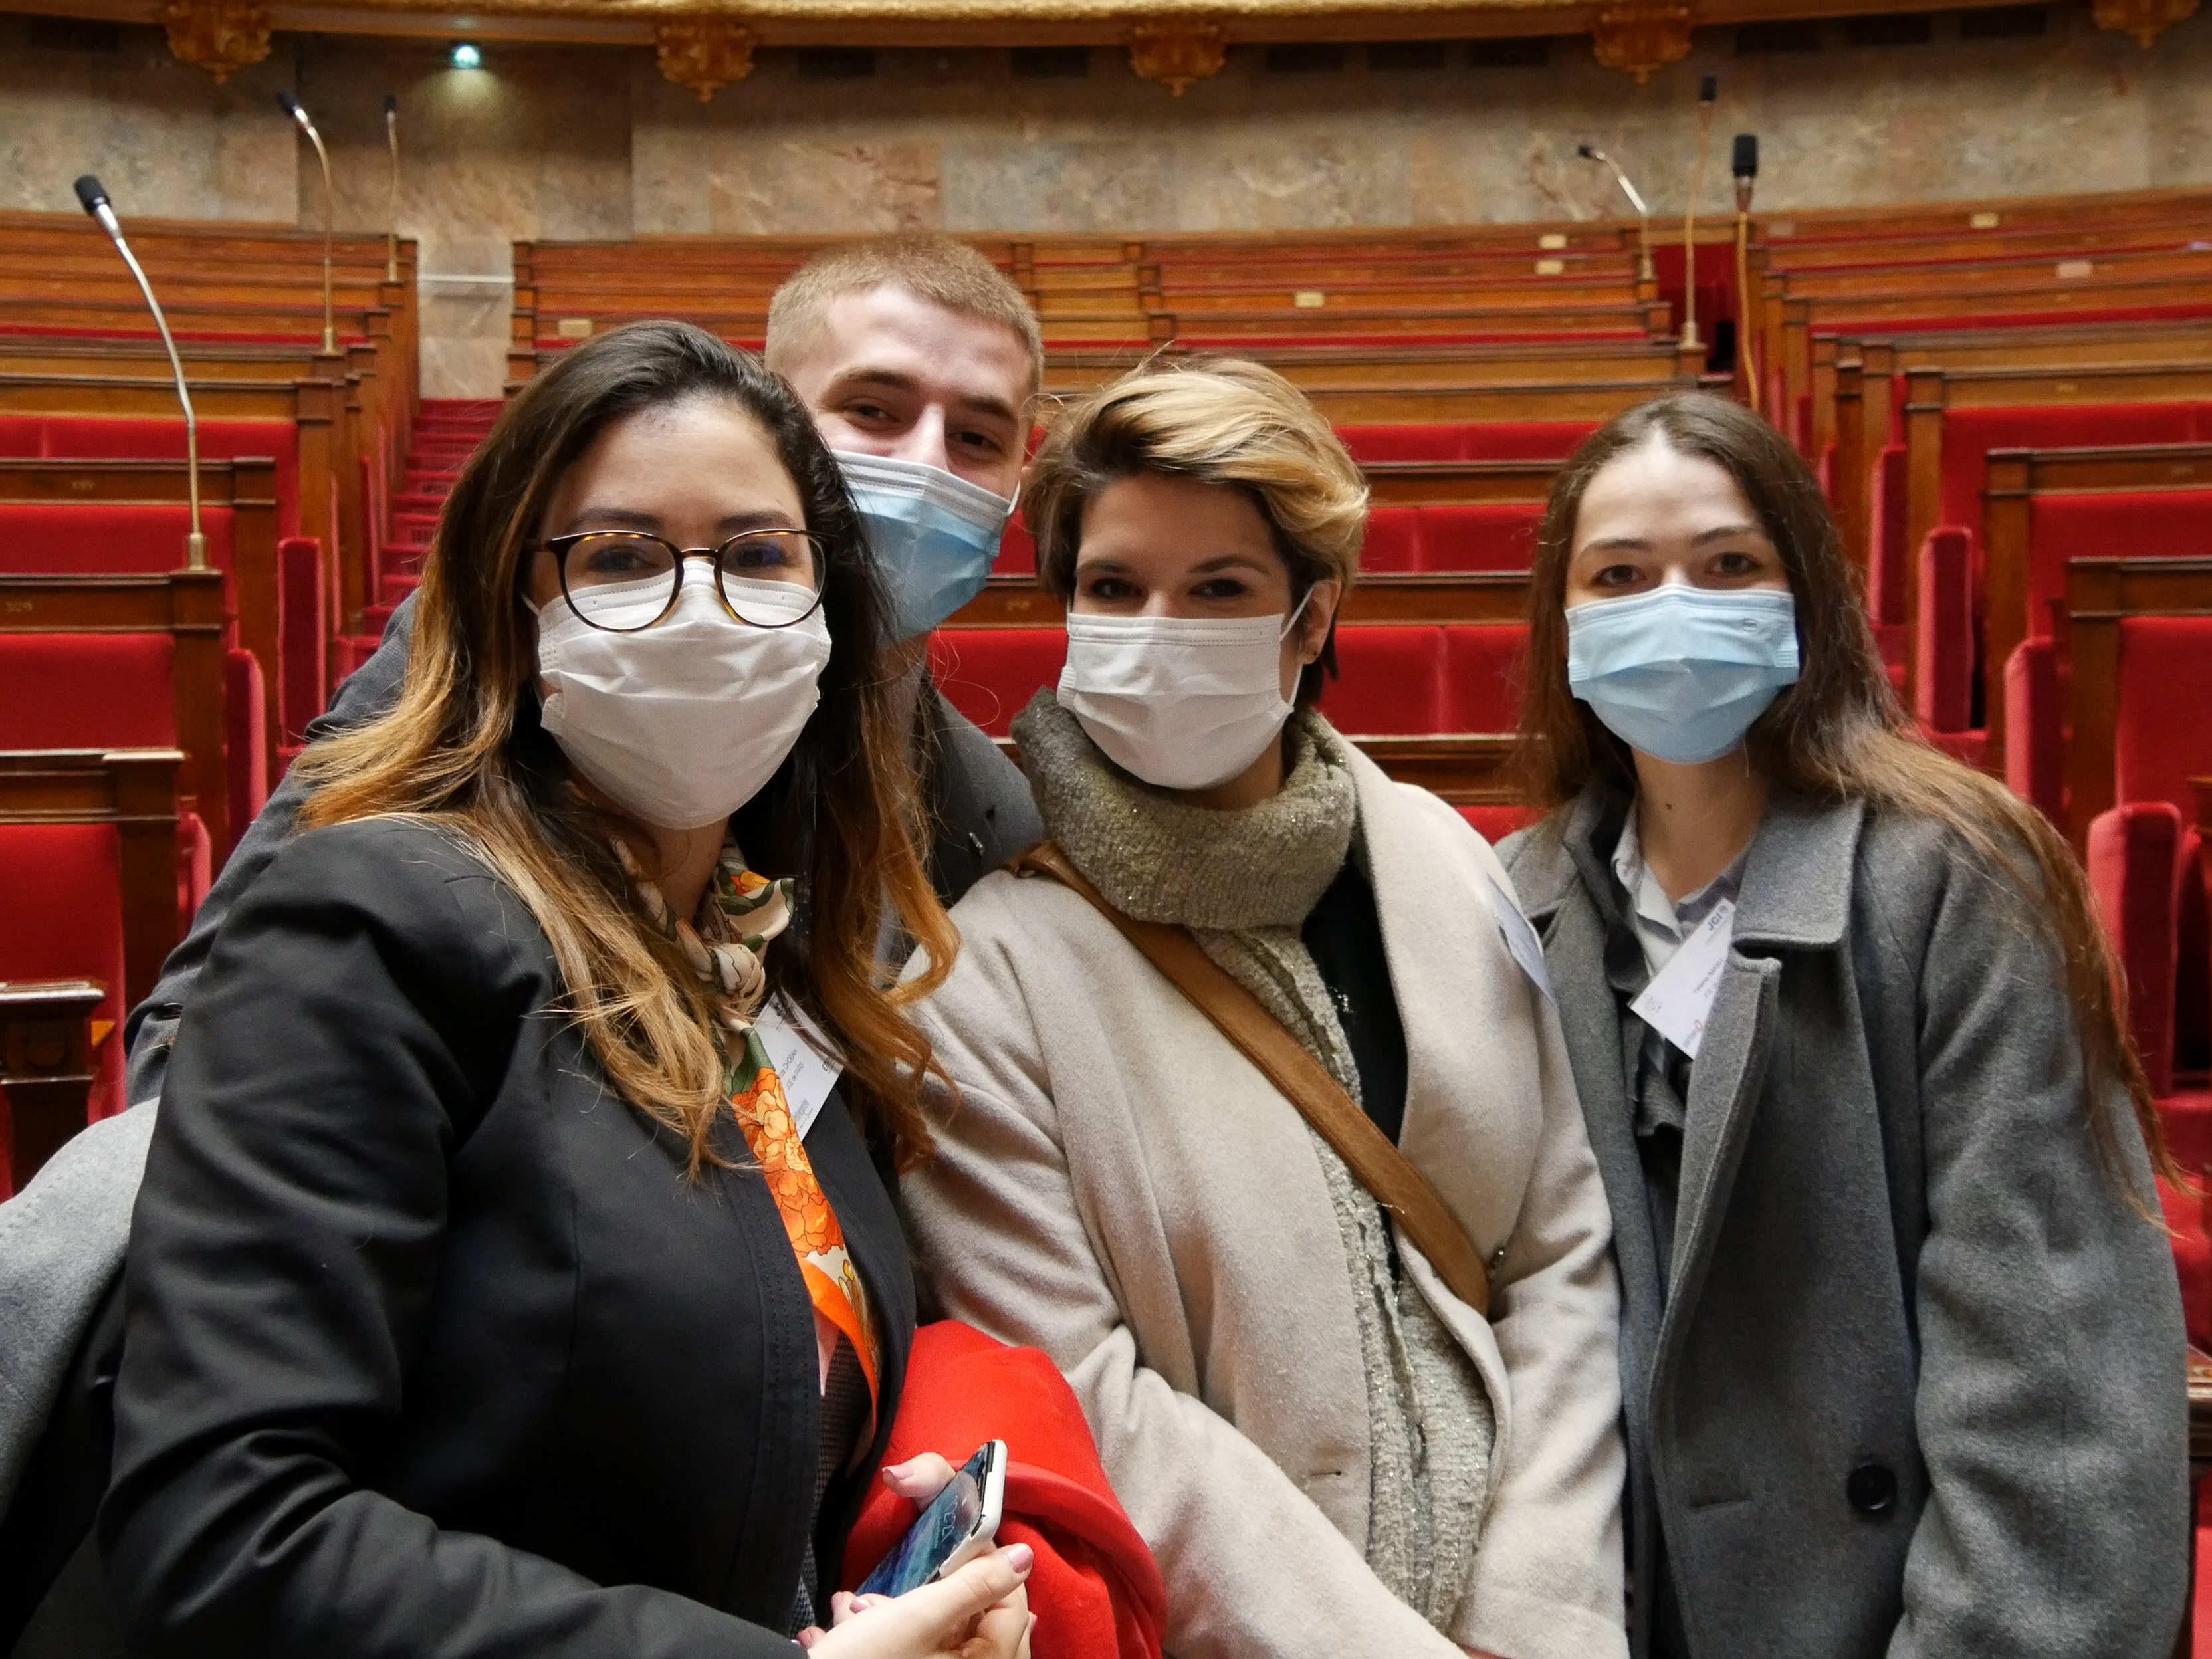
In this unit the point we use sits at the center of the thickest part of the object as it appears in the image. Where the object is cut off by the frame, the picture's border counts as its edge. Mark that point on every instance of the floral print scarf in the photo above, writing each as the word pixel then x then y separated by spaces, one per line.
pixel 726 945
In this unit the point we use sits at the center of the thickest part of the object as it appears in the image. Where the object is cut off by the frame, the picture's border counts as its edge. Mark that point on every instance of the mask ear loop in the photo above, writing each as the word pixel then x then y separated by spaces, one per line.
pixel 1292 621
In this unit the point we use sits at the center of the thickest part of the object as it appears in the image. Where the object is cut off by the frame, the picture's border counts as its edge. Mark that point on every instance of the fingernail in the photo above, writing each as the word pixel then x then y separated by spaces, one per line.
pixel 1020 1557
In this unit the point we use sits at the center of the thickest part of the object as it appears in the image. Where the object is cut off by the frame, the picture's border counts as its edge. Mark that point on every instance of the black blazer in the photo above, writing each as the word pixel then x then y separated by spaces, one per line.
pixel 432 1347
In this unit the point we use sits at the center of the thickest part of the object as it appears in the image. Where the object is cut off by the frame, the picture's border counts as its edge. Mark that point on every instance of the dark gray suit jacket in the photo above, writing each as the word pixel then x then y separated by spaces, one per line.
pixel 1914 1383
pixel 981 816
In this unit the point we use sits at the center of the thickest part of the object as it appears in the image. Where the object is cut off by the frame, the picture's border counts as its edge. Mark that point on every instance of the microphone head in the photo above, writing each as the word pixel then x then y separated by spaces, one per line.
pixel 289 104
pixel 1586 152
pixel 1709 88
pixel 91 194
pixel 391 105
pixel 1746 155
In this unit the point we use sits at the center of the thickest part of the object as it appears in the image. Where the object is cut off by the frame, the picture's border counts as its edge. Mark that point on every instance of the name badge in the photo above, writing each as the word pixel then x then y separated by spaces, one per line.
pixel 806 1062
pixel 1681 995
pixel 1521 940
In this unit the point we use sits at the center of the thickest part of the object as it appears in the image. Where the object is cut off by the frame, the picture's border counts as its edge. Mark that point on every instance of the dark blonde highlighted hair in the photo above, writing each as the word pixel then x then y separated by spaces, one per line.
pixel 1840 732
pixel 462 749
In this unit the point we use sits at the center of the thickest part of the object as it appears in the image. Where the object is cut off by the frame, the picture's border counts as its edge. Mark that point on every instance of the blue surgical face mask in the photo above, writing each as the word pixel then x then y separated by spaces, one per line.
pixel 1681 673
pixel 934 535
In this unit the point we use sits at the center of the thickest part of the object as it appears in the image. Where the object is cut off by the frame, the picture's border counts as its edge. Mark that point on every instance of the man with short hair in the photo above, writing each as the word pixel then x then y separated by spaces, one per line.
pixel 919 359
pixel 915 350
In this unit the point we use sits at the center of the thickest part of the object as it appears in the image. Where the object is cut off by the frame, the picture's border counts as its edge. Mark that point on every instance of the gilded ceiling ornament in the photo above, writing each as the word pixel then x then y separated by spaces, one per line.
pixel 215 35
pixel 2144 18
pixel 1176 54
pixel 705 53
pixel 1638 40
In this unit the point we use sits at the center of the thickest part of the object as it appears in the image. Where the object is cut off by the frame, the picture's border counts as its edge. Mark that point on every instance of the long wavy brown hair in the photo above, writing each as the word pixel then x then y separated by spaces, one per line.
pixel 1839 733
pixel 462 749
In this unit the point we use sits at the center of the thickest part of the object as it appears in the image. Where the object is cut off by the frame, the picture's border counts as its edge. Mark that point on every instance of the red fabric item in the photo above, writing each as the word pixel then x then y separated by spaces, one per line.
pixel 87 691
pixel 1943 647
pixel 2035 728
pixel 1886 537
pixel 1716 282
pixel 302 693
pixel 2134 865
pixel 1477 536
pixel 1969 434
pixel 1494 824
pixel 1466 441
pixel 1485 667
pixel 1096 1591
pixel 2144 524
pixel 1393 539
pixel 69 437
pixel 1017 549
pixel 245 736
pixel 2192 970
pixel 2164 736
pixel 60 889
pixel 195 868
pixel 1967 748
pixel 1392 680
pixel 989 674
pixel 103 539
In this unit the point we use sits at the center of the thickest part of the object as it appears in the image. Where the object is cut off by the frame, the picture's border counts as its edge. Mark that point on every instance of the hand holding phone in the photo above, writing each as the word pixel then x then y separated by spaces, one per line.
pixel 956 1527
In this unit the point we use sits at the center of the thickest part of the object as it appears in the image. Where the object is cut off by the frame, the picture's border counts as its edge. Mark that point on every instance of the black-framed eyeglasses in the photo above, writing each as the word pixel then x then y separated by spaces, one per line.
pixel 624 582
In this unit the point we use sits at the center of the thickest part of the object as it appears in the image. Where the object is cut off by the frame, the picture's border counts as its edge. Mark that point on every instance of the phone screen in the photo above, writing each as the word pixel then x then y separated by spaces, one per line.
pixel 937 1532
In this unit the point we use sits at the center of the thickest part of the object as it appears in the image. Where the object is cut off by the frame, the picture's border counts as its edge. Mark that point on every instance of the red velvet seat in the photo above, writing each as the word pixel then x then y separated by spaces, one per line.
pixel 70 437
pixel 2144 858
pixel 1391 680
pixel 1485 668
pixel 1889 568
pixel 73 538
pixel 1494 823
pixel 61 890
pixel 2140 523
pixel 1477 536
pixel 87 692
pixel 1469 440
pixel 989 674
pixel 2035 720
pixel 1944 645
pixel 1017 550
pixel 1393 539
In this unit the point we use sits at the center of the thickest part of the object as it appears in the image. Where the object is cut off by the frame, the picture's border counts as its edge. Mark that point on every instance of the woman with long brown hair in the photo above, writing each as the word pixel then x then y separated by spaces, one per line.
pixel 515 1271
pixel 1902 1351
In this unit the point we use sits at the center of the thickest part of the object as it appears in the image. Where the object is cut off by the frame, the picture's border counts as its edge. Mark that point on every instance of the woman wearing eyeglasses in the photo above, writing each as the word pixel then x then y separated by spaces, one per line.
pixel 511 1273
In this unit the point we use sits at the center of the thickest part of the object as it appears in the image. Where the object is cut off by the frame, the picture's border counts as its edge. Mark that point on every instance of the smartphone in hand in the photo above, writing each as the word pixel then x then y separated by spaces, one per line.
pixel 957 1527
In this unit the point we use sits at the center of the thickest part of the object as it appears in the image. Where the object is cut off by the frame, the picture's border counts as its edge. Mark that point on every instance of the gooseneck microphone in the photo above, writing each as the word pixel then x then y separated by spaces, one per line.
pixel 1644 272
pixel 391 208
pixel 92 197
pixel 1745 167
pixel 290 106
pixel 1709 92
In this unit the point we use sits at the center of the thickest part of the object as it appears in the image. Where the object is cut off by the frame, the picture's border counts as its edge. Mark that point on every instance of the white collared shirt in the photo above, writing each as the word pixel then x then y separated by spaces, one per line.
pixel 1663 924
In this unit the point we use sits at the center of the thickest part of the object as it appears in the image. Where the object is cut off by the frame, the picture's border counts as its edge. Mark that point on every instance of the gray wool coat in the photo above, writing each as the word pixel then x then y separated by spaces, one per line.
pixel 1915 1383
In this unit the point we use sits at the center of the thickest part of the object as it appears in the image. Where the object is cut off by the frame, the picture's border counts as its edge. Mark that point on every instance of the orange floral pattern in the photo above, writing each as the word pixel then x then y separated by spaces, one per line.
pixel 726 946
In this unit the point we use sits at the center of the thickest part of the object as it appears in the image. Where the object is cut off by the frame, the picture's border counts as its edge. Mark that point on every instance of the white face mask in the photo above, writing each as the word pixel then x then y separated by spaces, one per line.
pixel 683 722
pixel 1184 702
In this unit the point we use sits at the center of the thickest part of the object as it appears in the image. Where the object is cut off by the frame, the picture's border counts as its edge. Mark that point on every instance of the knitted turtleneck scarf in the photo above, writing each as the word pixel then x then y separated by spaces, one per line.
pixel 1244 882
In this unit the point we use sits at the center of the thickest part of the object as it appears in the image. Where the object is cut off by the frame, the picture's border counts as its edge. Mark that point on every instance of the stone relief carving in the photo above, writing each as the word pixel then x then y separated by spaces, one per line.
pixel 705 54
pixel 1640 39
pixel 215 35
pixel 1177 54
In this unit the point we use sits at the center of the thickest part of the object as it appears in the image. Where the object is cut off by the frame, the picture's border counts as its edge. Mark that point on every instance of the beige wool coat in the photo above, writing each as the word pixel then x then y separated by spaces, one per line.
pixel 1119 1186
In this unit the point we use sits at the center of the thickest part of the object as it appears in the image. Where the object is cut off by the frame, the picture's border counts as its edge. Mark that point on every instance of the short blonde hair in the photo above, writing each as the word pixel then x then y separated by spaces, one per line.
pixel 1222 421
pixel 941 270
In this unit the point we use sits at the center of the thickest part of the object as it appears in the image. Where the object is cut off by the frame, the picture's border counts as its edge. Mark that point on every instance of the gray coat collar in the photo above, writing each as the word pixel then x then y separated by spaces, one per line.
pixel 1796 892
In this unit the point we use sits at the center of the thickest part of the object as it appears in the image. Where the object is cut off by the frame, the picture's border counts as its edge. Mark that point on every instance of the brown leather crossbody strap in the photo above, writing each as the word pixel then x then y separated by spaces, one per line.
pixel 1376 1163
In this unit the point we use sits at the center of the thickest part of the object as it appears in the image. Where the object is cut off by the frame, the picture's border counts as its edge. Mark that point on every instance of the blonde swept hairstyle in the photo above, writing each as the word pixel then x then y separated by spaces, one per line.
pixel 1839 733
pixel 462 749
pixel 941 270
pixel 1221 421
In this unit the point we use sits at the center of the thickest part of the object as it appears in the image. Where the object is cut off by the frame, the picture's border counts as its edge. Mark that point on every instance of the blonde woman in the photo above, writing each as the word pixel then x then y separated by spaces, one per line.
pixel 1328 1451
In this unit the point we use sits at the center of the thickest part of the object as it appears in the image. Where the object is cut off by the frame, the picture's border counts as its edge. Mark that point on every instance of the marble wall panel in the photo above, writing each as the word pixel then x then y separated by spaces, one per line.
pixel 165 139
pixel 580 141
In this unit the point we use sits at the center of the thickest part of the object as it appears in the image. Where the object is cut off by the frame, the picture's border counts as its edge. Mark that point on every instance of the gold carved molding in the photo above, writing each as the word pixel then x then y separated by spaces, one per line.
pixel 2146 19
pixel 215 35
pixel 1176 54
pixel 705 54
pixel 1639 39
